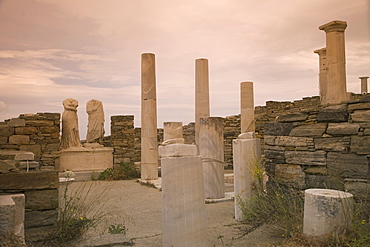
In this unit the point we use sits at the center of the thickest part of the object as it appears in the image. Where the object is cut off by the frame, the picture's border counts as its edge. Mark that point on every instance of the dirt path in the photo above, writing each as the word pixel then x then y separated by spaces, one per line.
pixel 139 208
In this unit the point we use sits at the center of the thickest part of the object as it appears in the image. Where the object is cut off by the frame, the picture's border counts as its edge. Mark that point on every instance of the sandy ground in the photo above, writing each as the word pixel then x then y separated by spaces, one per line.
pixel 139 207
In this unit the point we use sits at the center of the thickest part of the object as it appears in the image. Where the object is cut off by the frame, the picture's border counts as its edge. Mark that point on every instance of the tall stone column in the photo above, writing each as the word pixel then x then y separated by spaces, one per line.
pixel 201 93
pixel 211 149
pixel 336 62
pixel 184 221
pixel 247 107
pixel 149 146
pixel 322 74
pixel 364 84
pixel 172 130
pixel 246 152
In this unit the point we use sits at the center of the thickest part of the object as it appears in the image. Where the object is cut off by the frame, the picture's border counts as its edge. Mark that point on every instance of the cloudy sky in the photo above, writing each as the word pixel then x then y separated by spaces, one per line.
pixel 90 49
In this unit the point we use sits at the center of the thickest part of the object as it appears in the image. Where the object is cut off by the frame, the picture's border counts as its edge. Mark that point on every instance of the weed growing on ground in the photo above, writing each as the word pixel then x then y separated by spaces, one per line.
pixel 77 212
pixel 117 229
pixel 126 171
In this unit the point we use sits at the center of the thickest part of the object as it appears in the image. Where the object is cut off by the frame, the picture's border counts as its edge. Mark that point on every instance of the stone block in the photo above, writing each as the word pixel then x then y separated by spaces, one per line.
pixel 365 99
pixel 40 123
pixel 298 117
pixel 343 128
pixel 290 174
pixel 310 130
pixel 6 130
pixel 336 144
pixel 176 150
pixel 289 141
pixel 360 116
pixel 41 218
pixel 347 165
pixel 360 144
pixel 278 129
pixel 30 180
pixel 332 117
pixel 49 130
pixel 320 170
pixel 35 234
pixel 19 139
pixel 323 182
pixel 358 106
pixel 24 156
pixel 7 214
pixel 34 148
pixel 25 130
pixel 17 122
pixel 269 140
pixel 7 166
pixel 305 158
pixel 360 188
pixel 274 154
pixel 3 139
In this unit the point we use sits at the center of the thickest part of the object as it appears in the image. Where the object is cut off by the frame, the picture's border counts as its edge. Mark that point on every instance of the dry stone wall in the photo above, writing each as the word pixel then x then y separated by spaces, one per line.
pixel 321 147
pixel 37 133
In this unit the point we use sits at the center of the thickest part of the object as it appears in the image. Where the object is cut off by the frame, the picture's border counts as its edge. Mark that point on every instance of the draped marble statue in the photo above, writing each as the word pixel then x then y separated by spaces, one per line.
pixel 70 132
pixel 95 127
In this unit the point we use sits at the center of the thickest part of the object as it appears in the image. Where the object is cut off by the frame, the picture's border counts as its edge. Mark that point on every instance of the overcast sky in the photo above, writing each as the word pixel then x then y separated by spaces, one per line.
pixel 91 49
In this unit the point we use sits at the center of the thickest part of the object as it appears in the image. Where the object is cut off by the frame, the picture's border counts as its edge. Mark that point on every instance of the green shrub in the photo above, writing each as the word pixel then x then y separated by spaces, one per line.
pixel 126 171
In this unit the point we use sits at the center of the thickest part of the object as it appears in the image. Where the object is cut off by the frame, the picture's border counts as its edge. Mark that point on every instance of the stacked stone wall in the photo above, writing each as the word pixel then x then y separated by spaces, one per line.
pixel 41 200
pixel 37 133
pixel 123 140
pixel 323 146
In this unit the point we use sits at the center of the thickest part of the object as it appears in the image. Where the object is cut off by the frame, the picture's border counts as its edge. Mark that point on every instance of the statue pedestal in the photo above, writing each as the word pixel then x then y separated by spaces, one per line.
pixel 88 158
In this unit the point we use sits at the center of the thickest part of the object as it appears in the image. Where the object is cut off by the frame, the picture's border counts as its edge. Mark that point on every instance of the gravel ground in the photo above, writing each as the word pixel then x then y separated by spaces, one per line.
pixel 139 208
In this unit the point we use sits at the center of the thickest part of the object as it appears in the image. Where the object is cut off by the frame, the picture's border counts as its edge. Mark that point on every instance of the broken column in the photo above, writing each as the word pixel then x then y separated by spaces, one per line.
pixel 336 62
pixel 322 74
pixel 201 93
pixel 247 107
pixel 183 202
pixel 149 146
pixel 172 131
pixel 364 84
pixel 246 153
pixel 211 149
pixel 326 211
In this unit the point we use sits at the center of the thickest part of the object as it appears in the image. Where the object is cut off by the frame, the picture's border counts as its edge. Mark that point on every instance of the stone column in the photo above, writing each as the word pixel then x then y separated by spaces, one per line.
pixel 211 149
pixel 149 146
pixel 184 221
pixel 364 84
pixel 247 168
pixel 322 74
pixel 336 62
pixel 247 107
pixel 201 93
pixel 326 211
pixel 172 130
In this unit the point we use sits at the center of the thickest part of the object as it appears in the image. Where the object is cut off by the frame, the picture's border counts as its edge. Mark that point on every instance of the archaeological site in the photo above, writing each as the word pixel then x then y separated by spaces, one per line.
pixel 318 147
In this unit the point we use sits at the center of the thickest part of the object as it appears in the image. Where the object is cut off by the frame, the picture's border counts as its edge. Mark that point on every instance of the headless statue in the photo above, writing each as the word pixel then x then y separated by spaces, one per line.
pixel 70 132
pixel 95 127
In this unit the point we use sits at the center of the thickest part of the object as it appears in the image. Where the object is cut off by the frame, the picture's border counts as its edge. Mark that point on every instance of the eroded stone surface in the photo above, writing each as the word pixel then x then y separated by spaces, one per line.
pixel 305 158
pixel 309 130
pixel 360 116
pixel 290 174
pixel 278 129
pixel 343 128
pixel 360 144
pixel 347 165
